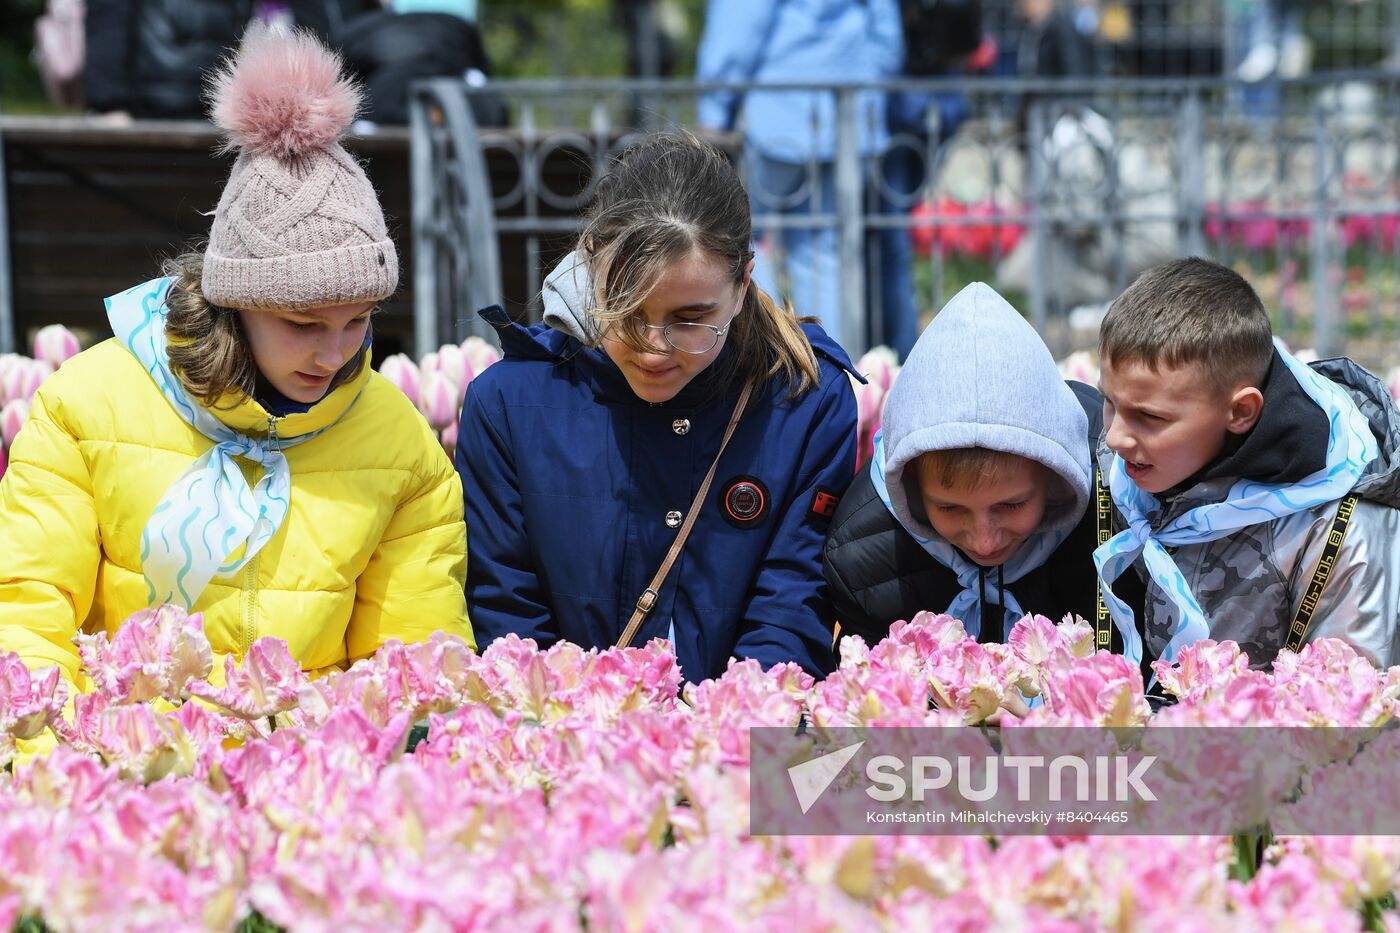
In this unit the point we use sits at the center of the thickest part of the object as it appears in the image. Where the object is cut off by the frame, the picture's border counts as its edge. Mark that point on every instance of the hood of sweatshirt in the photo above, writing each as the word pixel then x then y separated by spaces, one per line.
pixel 568 296
pixel 980 376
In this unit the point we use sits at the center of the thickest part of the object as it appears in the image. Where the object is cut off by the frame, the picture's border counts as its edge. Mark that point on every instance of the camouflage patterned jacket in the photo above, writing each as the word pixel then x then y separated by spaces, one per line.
pixel 1251 583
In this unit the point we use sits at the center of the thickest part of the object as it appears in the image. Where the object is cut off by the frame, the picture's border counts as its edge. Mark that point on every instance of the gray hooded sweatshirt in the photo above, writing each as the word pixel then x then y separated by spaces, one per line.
pixel 568 298
pixel 980 376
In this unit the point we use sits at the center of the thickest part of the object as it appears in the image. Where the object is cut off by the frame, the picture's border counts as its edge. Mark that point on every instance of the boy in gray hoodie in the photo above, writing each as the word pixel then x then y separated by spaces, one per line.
pixel 976 500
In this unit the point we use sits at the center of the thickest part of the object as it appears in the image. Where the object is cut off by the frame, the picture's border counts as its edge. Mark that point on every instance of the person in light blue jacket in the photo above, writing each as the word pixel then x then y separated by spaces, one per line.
pixel 790 136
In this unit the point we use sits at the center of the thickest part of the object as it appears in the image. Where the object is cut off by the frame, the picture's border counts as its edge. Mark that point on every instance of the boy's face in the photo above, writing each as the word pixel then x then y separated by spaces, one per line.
pixel 991 522
pixel 1168 423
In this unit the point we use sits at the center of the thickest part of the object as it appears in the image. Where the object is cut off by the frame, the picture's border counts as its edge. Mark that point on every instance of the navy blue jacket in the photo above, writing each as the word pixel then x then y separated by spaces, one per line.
pixel 568 478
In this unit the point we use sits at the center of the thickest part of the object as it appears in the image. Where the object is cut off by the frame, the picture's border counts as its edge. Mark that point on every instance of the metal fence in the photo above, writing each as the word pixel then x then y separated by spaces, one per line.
pixel 1057 194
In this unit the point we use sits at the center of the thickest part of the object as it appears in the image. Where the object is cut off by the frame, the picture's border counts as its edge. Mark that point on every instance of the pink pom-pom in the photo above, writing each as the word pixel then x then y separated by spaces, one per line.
pixel 282 94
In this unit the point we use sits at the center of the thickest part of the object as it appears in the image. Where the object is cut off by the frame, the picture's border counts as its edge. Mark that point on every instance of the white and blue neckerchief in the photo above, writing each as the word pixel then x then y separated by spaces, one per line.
pixel 209 511
pixel 1350 447
pixel 967 605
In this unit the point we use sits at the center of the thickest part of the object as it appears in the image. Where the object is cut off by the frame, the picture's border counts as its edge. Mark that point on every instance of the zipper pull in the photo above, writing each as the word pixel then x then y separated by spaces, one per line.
pixel 273 441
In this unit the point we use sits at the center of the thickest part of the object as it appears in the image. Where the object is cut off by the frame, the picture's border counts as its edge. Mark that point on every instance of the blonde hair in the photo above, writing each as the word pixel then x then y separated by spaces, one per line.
pixel 208 350
pixel 966 468
pixel 666 198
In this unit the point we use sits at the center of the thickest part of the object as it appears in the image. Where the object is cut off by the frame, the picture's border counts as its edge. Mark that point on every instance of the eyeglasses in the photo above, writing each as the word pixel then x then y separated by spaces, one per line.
pixel 692 336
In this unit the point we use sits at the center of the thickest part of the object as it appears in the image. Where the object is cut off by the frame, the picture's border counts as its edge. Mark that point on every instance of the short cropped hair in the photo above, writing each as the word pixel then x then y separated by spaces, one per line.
pixel 1191 311
pixel 965 468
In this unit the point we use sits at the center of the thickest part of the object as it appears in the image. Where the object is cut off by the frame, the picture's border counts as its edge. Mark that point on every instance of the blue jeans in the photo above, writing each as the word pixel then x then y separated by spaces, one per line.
pixel 811 266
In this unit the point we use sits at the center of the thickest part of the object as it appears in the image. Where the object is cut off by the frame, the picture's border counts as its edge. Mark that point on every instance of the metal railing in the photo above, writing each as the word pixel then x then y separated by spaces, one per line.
pixel 1059 194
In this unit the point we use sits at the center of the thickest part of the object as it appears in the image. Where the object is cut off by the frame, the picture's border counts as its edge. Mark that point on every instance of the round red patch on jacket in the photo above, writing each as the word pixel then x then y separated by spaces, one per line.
pixel 744 501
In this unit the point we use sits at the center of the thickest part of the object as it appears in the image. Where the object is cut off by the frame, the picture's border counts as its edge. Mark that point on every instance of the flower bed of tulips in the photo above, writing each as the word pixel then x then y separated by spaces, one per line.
pixel 569 789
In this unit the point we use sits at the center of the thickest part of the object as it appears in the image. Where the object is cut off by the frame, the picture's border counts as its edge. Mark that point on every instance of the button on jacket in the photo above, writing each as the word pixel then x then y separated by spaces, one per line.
pixel 568 478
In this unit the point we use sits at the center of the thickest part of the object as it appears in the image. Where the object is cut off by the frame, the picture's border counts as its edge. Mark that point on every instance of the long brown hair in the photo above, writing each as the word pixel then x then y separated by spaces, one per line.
pixel 208 350
pixel 664 198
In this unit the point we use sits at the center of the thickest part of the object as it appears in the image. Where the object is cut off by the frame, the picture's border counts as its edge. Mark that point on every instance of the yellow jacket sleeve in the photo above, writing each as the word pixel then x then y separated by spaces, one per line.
pixel 415 582
pixel 49 540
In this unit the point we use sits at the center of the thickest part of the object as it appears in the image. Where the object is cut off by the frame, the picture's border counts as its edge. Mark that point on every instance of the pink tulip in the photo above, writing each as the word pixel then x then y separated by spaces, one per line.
pixel 1291 894
pixel 266 684
pixel 870 405
pixel 1104 688
pixel 143 744
pixel 429 364
pixel 480 354
pixel 23 378
pixel 28 702
pixel 879 365
pixel 12 418
pixel 1201 668
pixel 438 401
pixel 452 362
pixel 402 372
pixel 4 461
pixel 55 345
pixel 448 436
pixel 1035 639
pixel 155 654
pixel 8 361
pixel 1081 367
pixel 1393 383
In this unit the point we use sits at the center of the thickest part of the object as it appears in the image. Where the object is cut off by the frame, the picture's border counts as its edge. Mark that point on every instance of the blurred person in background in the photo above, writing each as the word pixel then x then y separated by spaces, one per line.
pixel 1052 45
pixel 942 39
pixel 59 52
pixel 790 137
pixel 410 40
pixel 1268 39
pixel 149 58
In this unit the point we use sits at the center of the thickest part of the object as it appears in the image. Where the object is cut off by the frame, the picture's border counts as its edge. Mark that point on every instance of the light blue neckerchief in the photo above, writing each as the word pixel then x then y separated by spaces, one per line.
pixel 209 511
pixel 967 605
pixel 1350 447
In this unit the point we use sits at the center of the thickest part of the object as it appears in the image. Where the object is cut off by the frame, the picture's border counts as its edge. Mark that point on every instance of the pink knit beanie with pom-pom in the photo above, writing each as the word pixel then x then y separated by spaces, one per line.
pixel 298 224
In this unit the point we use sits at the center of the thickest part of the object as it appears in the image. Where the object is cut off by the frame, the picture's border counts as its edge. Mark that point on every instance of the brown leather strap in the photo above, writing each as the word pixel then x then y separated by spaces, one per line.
pixel 648 597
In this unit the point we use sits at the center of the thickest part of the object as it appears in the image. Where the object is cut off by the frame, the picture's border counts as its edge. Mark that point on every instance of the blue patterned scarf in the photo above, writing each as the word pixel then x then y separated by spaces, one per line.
pixel 209 512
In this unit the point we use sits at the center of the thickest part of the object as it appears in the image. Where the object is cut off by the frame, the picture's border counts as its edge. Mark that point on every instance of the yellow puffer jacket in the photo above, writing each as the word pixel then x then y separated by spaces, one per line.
pixel 373 546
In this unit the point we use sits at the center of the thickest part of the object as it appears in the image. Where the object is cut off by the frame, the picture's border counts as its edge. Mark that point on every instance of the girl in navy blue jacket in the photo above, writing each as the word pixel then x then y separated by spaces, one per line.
pixel 583 451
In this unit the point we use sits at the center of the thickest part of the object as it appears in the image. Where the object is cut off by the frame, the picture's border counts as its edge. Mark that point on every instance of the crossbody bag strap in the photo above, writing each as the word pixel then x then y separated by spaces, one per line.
pixel 1302 620
pixel 1103 530
pixel 647 600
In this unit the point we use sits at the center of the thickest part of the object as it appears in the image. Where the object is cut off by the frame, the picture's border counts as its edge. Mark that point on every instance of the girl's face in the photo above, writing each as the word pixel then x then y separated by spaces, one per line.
pixel 299 352
pixel 695 290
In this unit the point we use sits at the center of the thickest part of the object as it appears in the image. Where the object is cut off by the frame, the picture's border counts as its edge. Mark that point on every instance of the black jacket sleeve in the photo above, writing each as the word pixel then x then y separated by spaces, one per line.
pixel 877 572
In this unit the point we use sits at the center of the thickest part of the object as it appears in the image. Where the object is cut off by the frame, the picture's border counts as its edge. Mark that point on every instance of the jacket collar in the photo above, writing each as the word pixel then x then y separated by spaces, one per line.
pixel 247 415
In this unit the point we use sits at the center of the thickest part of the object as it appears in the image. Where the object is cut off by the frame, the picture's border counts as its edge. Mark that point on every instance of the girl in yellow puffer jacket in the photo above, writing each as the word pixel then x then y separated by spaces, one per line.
pixel 230 449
